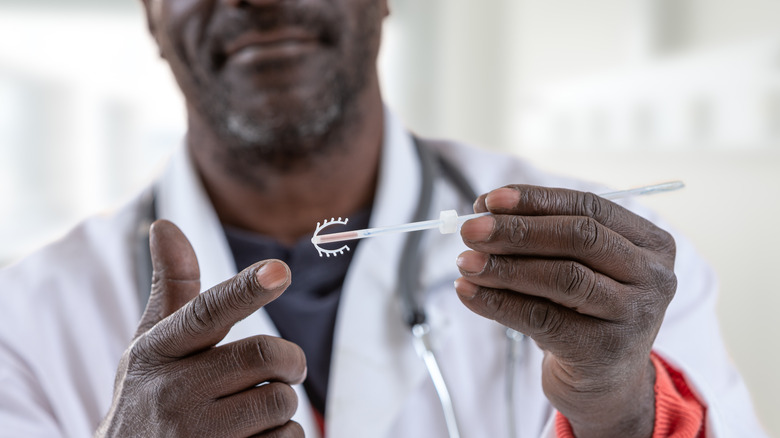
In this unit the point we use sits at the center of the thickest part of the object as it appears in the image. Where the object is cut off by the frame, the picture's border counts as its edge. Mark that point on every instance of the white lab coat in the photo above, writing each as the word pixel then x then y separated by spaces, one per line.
pixel 68 312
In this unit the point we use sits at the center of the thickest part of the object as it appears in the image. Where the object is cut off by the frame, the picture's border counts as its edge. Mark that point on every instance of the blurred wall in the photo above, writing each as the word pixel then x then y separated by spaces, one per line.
pixel 87 114
pixel 624 92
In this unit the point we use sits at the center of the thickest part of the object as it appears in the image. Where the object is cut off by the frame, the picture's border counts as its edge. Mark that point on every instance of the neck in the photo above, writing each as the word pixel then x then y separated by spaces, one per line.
pixel 287 203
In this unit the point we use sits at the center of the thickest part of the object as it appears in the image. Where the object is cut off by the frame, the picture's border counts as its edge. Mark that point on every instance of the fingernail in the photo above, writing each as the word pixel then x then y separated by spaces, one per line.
pixel 466 289
pixel 502 199
pixel 479 229
pixel 272 275
pixel 472 262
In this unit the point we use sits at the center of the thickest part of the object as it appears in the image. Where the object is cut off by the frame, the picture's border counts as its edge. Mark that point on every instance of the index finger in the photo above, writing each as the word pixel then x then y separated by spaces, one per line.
pixel 208 318
pixel 528 200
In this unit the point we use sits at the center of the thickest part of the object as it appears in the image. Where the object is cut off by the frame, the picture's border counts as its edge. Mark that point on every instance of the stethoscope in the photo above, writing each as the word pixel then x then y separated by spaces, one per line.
pixel 433 166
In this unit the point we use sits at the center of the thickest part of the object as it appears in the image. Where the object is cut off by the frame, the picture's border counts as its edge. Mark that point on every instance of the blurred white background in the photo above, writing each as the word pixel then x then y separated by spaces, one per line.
pixel 624 92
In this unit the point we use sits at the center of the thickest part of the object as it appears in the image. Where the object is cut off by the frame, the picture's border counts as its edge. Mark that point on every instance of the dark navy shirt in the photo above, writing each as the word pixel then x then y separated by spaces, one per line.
pixel 306 312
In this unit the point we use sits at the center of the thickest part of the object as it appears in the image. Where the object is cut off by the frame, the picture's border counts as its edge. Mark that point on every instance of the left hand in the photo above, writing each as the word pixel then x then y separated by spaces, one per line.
pixel 589 281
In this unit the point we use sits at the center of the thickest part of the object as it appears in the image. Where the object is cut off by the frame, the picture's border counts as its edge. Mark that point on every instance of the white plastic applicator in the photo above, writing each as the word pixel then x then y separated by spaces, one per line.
pixel 448 222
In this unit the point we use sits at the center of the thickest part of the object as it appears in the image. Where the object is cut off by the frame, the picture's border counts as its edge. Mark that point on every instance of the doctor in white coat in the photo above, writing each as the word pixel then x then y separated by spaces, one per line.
pixel 287 127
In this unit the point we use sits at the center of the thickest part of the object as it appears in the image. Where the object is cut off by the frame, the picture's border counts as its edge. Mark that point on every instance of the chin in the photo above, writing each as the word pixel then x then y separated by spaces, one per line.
pixel 289 129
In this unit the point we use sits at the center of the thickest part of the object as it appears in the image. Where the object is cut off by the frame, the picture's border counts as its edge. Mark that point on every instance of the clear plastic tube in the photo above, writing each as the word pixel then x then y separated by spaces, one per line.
pixel 449 222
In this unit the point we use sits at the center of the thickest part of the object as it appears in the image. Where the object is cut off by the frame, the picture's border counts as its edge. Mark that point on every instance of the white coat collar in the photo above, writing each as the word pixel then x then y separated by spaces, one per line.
pixel 182 199
pixel 374 366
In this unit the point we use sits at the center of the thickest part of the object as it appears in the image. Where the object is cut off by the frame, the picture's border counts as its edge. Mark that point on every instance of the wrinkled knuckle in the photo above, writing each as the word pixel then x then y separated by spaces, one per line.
pixel 502 268
pixel 586 235
pixel 240 293
pixel 592 205
pixel 201 314
pixel 146 351
pixel 546 200
pixel 137 354
pixel 495 304
pixel 571 279
pixel 281 401
pixel 244 291
pixel 542 319
pixel 577 282
pixel 264 351
pixel 529 196
pixel 493 266
pixel 516 229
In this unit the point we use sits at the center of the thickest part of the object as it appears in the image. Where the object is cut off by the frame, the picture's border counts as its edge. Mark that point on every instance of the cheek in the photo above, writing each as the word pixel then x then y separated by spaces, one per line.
pixel 181 24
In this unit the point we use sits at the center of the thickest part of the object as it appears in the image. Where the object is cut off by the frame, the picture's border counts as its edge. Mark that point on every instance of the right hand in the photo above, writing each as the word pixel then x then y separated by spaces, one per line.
pixel 174 381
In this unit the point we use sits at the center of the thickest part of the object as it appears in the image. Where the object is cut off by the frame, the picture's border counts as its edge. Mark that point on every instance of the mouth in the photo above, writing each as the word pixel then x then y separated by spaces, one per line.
pixel 272 45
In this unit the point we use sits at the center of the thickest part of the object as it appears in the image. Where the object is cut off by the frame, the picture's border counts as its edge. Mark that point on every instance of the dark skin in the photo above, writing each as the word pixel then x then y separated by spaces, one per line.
pixel 285 127
pixel 589 281
pixel 173 381
pixel 280 75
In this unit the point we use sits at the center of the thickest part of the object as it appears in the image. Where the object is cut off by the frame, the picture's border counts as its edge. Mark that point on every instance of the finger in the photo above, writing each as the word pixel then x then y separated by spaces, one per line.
pixel 289 430
pixel 571 237
pixel 206 320
pixel 175 274
pixel 479 204
pixel 529 200
pixel 240 365
pixel 555 328
pixel 255 410
pixel 565 282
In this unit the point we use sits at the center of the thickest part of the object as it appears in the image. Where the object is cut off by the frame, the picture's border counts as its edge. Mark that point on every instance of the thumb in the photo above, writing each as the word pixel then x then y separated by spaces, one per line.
pixel 175 274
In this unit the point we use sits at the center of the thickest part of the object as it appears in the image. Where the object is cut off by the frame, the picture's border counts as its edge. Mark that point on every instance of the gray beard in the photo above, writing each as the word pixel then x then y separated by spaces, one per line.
pixel 290 140
pixel 267 135
pixel 256 145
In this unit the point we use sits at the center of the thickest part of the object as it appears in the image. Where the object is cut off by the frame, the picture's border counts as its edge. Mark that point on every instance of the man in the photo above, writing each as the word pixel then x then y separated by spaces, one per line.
pixel 286 128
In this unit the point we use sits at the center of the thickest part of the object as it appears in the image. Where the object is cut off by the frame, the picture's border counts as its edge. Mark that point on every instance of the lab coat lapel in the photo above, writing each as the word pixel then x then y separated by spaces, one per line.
pixel 182 199
pixel 374 366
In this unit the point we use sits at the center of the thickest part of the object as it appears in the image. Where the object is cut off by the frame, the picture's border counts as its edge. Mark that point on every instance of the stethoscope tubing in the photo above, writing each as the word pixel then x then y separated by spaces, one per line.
pixel 409 285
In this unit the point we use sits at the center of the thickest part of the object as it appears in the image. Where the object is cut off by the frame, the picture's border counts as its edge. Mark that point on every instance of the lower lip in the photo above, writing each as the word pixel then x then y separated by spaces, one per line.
pixel 264 53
